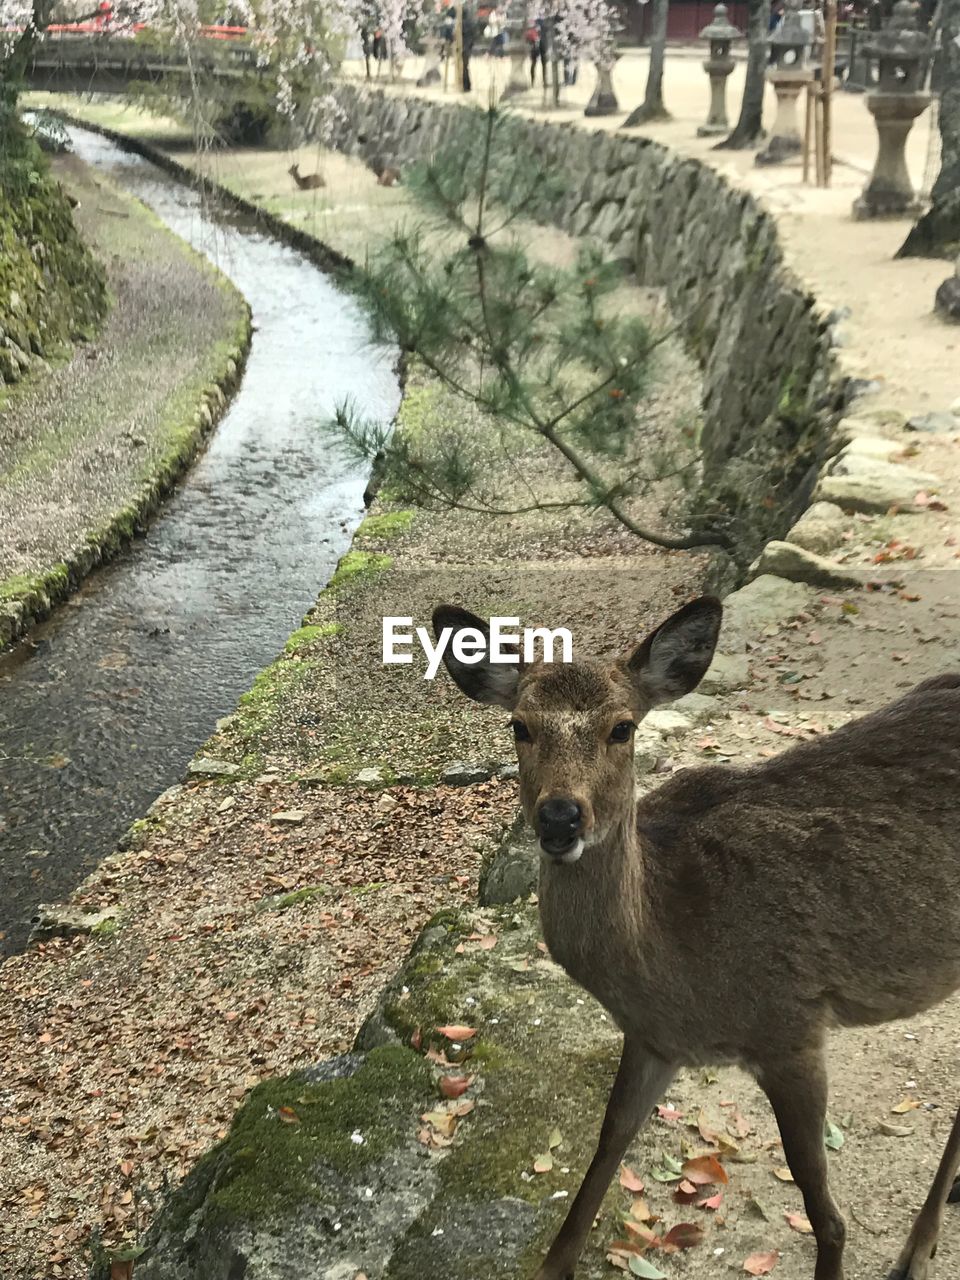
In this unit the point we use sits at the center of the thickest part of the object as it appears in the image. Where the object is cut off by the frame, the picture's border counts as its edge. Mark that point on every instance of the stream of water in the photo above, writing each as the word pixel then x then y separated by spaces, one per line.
pixel 104 704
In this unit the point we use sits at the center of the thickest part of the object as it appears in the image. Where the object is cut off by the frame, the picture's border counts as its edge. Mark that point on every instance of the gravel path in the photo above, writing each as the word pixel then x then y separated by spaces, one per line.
pixel 78 445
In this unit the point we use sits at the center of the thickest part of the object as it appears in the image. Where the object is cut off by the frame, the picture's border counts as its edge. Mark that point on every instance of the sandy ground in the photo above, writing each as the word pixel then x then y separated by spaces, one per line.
pixel 891 334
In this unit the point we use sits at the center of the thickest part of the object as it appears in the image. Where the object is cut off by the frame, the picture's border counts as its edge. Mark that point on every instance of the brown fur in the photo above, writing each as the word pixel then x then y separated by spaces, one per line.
pixel 818 888
pixel 306 181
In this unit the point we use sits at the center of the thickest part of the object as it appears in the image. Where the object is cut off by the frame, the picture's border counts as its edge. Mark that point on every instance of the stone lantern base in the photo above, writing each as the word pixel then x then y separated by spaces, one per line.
pixel 948 296
pixel 718 69
pixel 890 193
pixel 603 102
pixel 785 139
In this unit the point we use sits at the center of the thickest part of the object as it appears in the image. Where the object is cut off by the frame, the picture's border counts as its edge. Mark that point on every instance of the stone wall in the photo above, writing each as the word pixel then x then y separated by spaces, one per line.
pixel 51 290
pixel 771 387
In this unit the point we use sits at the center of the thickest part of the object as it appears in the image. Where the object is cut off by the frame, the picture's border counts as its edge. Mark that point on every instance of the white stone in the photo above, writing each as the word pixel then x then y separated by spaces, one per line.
pixel 787 560
pixel 764 602
pixel 207 767
pixel 667 721
pixel 369 777
pixel 872 447
pixel 727 671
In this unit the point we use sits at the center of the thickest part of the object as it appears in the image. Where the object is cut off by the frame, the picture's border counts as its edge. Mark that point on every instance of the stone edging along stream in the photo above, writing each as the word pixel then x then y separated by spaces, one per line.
pixel 30 603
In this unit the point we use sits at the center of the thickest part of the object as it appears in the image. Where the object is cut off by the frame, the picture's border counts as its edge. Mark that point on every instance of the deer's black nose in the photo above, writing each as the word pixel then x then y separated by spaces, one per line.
pixel 559 820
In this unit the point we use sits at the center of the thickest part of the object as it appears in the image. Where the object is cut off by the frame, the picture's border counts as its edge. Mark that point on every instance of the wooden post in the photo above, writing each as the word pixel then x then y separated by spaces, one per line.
pixel 808 132
pixel 458 46
pixel 827 77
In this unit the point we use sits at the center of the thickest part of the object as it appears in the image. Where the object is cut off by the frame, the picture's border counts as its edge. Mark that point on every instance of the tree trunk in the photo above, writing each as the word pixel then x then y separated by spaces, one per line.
pixel 652 107
pixel 937 234
pixel 749 128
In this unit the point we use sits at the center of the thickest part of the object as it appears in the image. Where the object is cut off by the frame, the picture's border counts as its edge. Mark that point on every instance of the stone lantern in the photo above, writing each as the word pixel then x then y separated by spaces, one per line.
pixel 789 75
pixel 900 50
pixel 517 49
pixel 721 33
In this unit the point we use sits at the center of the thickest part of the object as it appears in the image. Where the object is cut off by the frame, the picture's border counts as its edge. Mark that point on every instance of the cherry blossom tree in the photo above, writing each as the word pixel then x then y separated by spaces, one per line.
pixel 586 30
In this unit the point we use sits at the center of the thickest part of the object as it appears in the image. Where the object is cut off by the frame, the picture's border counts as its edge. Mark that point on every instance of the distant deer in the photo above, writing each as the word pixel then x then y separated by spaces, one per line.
pixel 306 181
pixel 842 857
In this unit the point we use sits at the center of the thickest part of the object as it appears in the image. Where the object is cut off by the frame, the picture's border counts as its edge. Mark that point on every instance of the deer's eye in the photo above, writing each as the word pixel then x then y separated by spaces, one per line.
pixel 622 730
pixel 520 731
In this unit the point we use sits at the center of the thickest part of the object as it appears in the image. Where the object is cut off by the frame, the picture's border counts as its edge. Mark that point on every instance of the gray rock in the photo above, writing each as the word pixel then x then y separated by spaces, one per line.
pixel 288 817
pixel 648 749
pixel 869 446
pixel 513 872
pixel 668 721
pixel 462 774
pixel 820 528
pixel 766 601
pixel 727 671
pixel 56 920
pixel 507 771
pixel 934 422
pixel 207 767
pixel 892 473
pixel 870 493
pixel 698 707
pixel 798 565
pixel 369 777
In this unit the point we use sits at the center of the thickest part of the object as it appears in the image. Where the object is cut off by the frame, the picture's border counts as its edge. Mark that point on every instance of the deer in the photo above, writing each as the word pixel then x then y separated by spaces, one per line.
pixel 306 181
pixel 843 852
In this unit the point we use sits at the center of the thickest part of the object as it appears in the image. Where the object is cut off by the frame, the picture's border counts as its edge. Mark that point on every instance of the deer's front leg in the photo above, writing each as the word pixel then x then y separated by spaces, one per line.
pixel 797 1088
pixel 641 1080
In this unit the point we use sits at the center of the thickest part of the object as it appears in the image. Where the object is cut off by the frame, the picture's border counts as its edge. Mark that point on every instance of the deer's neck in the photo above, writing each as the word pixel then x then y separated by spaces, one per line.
pixel 593 911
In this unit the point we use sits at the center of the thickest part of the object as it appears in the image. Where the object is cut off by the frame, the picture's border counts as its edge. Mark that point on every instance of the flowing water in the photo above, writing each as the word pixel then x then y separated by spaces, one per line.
pixel 101 709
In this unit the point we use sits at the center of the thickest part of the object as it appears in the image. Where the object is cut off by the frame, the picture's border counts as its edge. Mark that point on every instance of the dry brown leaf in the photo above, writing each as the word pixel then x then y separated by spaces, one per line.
pixel 702 1170
pixel 629 1180
pixel 760 1264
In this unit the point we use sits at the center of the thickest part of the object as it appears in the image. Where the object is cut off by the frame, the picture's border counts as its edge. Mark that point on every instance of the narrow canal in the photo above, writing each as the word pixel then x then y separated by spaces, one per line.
pixel 103 706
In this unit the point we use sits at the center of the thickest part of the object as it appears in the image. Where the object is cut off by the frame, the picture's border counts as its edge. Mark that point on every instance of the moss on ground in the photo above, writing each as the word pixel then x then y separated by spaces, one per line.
pixel 294 899
pixel 389 525
pixel 287 1127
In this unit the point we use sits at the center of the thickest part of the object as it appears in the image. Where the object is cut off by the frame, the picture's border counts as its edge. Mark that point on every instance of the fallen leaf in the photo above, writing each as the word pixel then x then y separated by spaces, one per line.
pixel 685 1235
pixel 445 1122
pixel 454 1086
pixel 908 1104
pixel 629 1180
pixel 760 1264
pixel 288 1115
pixel 640 1211
pixel 669 1114
pixel 488 942
pixel 686 1192
pixel 711 1202
pixel 797 1222
pixel 555 1138
pixel 702 1170
pixel 646 1270
pixel 832 1136
pixel 783 1174
pixel 755 1207
pixel 708 1134
pixel 543 1164
pixel 894 1130
pixel 457 1032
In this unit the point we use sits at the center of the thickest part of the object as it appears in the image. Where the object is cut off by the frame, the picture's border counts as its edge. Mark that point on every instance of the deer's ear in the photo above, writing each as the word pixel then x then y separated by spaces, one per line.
pixel 673 659
pixel 494 683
